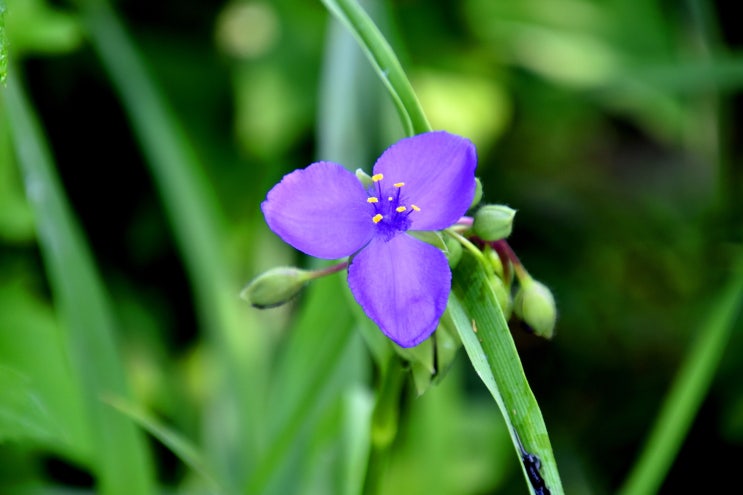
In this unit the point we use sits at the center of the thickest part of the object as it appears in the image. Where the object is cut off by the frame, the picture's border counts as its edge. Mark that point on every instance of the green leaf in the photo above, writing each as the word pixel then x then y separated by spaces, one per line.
pixel 242 349
pixel 175 441
pixel 24 415
pixel 121 461
pixel 385 62
pixel 309 376
pixel 29 335
pixel 34 26
pixel 688 391
pixel 3 44
pixel 474 311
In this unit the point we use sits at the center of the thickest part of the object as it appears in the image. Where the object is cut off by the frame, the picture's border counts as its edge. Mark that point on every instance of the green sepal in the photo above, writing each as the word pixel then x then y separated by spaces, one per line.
pixel 478 193
pixel 364 178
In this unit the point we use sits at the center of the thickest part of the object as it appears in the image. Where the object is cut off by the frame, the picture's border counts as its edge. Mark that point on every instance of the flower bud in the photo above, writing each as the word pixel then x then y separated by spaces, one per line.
pixel 478 193
pixel 494 260
pixel 493 222
pixel 275 287
pixel 502 295
pixel 535 305
pixel 453 250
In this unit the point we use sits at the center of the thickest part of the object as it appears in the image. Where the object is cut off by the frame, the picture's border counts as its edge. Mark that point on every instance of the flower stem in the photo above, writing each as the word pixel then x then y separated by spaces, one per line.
pixel 468 245
pixel 508 255
pixel 329 270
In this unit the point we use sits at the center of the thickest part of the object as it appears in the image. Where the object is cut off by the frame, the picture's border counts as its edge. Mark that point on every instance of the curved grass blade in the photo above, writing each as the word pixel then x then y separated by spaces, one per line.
pixel 385 62
pixel 195 219
pixel 172 439
pixel 687 392
pixel 474 311
pixel 120 460
pixel 302 388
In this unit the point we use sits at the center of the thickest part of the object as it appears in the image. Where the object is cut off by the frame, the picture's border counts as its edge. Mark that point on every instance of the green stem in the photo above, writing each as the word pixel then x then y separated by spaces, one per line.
pixel 508 255
pixel 323 272
pixel 385 421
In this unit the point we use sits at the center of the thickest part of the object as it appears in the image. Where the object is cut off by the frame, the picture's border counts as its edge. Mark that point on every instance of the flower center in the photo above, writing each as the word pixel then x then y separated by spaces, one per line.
pixel 391 210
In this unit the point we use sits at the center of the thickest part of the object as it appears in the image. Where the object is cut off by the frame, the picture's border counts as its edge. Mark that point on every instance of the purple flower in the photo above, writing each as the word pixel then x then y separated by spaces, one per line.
pixel 425 182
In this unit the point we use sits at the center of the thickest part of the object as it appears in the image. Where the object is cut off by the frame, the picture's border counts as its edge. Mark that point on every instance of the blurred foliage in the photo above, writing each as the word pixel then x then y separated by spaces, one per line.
pixel 611 126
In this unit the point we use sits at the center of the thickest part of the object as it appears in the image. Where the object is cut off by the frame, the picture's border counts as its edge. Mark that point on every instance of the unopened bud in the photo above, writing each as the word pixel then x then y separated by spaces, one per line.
pixel 494 260
pixel 493 222
pixel 502 295
pixel 453 251
pixel 478 193
pixel 535 305
pixel 275 287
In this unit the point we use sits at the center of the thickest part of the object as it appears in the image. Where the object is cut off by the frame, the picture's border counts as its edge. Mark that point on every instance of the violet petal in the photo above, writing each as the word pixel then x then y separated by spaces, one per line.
pixel 403 285
pixel 321 210
pixel 438 170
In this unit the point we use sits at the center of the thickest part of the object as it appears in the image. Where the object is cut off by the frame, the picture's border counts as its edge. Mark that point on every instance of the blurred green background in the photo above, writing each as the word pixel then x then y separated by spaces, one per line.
pixel 611 126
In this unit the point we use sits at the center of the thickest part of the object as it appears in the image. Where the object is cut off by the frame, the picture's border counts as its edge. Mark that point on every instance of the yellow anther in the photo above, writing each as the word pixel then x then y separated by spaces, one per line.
pixel 377 218
pixel 372 200
pixel 415 208
pixel 400 209
pixel 377 177
pixel 398 184
pixel 389 198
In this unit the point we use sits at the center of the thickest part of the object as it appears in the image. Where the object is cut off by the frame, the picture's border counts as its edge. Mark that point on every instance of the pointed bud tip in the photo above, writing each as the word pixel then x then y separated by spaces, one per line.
pixel 493 222
pixel 535 305
pixel 275 287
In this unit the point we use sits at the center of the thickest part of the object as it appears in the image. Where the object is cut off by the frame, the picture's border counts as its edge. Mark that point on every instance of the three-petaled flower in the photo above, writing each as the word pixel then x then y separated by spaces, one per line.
pixel 426 182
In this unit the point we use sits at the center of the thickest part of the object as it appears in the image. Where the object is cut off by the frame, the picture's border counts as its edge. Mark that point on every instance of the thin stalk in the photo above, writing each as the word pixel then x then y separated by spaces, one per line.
pixel 508 255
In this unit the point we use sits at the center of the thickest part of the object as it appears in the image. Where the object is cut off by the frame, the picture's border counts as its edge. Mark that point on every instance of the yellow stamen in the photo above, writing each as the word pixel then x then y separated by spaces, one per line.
pixel 415 208
pixel 398 184
pixel 377 218
pixel 372 200
pixel 400 209
pixel 389 198
pixel 377 177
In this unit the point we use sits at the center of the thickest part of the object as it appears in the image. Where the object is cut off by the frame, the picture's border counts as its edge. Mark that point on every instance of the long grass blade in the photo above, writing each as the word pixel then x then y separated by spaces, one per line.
pixel 175 441
pixel 3 44
pixel 121 462
pixel 687 392
pixel 385 62
pixel 195 221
